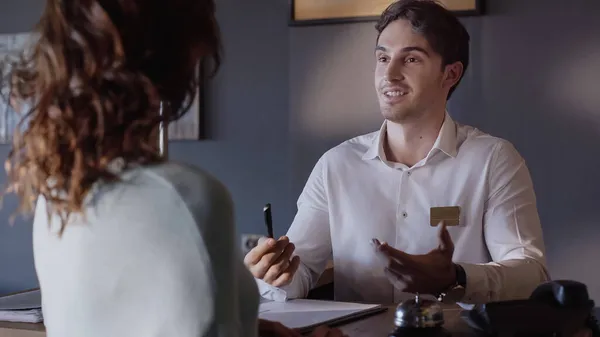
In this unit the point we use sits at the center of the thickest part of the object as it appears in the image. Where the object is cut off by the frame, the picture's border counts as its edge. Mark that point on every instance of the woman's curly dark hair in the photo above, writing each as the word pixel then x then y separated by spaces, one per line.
pixel 94 79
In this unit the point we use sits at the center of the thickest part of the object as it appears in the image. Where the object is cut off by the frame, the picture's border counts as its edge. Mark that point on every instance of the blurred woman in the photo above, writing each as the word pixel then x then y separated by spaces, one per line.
pixel 125 243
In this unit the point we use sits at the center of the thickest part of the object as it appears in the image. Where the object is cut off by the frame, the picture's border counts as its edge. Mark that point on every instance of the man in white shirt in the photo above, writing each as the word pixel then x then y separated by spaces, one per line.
pixel 381 187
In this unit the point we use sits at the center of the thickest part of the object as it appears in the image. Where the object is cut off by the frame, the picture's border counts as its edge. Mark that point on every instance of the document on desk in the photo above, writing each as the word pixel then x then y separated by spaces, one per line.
pixel 25 307
pixel 305 314
pixel 29 299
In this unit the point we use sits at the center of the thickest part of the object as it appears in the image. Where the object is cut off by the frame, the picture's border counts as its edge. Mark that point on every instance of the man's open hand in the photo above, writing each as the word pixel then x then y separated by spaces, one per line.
pixel 429 273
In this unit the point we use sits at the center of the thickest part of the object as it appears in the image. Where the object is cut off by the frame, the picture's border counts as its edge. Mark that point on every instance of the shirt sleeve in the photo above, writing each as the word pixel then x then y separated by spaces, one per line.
pixel 512 232
pixel 310 234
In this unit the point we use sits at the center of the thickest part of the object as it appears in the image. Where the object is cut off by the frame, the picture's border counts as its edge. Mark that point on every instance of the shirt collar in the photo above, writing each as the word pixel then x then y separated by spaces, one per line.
pixel 445 142
pixel 376 148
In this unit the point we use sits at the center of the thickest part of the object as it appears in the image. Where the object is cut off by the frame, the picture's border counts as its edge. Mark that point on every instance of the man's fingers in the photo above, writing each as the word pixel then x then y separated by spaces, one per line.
pixel 288 251
pixel 287 275
pixel 445 240
pixel 403 274
pixel 279 265
pixel 399 281
pixel 375 243
pixel 268 251
pixel 256 253
pixel 398 268
pixel 276 270
pixel 260 268
pixel 272 255
pixel 401 257
pixel 410 281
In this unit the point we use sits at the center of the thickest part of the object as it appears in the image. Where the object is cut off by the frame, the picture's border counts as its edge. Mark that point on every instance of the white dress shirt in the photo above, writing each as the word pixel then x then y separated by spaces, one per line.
pixel 354 194
pixel 155 256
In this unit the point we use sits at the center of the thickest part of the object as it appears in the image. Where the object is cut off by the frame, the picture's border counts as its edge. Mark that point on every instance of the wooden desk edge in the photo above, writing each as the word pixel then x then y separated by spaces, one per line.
pixel 12 329
pixel 5 325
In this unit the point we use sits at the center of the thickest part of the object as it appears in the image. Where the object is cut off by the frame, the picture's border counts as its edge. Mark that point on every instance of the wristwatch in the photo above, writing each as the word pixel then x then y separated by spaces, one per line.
pixel 456 291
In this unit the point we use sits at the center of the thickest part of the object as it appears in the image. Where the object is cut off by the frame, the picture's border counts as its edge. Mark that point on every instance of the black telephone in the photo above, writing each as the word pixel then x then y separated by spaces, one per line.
pixel 557 308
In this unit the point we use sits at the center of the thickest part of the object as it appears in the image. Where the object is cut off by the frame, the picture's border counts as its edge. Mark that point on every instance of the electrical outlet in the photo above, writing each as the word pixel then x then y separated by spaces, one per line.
pixel 249 241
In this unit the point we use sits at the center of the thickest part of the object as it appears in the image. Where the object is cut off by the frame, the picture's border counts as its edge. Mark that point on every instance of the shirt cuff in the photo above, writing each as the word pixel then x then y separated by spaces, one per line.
pixel 270 292
pixel 476 291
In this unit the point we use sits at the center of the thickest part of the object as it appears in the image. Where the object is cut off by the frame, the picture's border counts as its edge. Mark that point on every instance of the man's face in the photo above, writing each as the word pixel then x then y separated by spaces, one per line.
pixel 409 77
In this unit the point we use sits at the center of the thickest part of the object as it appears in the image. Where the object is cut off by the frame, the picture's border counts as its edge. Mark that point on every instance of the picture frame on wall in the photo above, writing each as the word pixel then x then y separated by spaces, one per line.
pixel 191 126
pixel 318 12
pixel 11 46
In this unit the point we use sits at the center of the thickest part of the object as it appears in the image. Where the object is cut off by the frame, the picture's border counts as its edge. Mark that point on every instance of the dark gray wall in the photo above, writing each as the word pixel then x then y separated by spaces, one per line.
pixel 533 81
pixel 530 81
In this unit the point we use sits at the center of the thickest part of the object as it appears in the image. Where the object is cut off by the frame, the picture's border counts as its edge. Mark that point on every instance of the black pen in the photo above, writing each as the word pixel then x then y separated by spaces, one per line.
pixel 268 219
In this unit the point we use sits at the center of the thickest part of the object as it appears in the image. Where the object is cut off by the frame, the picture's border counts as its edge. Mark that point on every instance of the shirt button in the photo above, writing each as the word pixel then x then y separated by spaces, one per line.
pixel 404 214
pixel 409 172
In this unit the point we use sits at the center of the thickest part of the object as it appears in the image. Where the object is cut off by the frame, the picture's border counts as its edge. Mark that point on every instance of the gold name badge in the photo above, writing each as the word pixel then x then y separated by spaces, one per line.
pixel 449 215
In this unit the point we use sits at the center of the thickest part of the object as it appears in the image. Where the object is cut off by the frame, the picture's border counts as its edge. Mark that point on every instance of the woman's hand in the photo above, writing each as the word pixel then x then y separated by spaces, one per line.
pixel 276 329
pixel 324 331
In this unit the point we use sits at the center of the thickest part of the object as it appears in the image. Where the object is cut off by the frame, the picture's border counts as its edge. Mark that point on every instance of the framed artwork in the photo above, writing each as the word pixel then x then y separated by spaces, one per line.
pixel 316 12
pixel 189 127
pixel 11 45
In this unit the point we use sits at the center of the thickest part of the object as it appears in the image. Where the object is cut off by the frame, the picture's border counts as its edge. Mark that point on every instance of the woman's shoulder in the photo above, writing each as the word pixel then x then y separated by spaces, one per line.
pixel 178 190
pixel 197 188
pixel 205 197
pixel 185 178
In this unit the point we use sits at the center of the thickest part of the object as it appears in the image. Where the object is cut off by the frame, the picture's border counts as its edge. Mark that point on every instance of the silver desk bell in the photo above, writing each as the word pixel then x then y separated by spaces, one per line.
pixel 419 317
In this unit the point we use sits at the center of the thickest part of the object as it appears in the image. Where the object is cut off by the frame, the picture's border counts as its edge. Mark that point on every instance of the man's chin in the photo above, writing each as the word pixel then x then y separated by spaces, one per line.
pixel 396 116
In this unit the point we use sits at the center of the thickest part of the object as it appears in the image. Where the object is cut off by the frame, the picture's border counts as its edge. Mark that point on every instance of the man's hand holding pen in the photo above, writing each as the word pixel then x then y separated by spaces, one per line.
pixel 272 262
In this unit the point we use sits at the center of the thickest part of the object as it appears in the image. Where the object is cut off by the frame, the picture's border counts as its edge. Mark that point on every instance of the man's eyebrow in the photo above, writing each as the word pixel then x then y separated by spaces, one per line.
pixel 415 48
pixel 404 50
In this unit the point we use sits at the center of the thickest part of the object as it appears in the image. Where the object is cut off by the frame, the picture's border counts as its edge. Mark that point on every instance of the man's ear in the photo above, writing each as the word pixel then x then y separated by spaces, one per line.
pixel 452 74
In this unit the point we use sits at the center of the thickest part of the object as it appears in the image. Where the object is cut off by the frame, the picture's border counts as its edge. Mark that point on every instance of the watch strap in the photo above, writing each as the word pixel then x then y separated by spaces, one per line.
pixel 461 275
pixel 460 283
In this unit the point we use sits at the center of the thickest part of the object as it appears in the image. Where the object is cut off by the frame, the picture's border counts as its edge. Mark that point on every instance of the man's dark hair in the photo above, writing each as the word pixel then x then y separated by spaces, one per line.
pixel 444 32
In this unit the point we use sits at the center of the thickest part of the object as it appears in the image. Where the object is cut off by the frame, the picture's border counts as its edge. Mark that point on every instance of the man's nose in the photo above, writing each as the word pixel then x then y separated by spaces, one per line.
pixel 395 70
